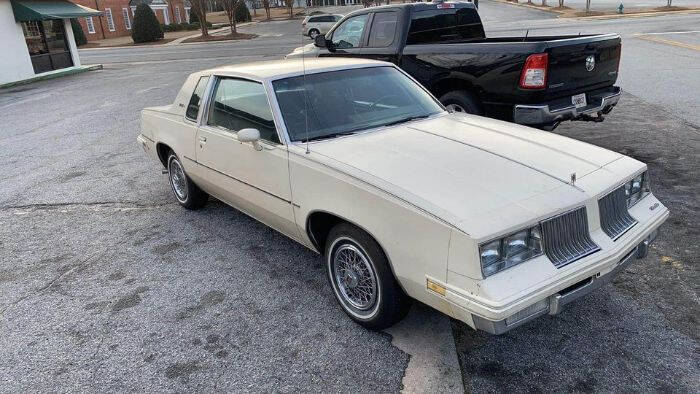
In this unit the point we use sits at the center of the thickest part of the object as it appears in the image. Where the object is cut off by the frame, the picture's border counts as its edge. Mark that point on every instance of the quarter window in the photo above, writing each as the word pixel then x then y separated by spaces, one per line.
pixel 349 33
pixel 240 104
pixel 383 29
pixel 196 99
pixel 110 20
pixel 90 25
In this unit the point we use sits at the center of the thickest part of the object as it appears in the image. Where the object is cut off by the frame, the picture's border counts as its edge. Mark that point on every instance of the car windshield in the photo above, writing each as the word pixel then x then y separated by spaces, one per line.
pixel 347 101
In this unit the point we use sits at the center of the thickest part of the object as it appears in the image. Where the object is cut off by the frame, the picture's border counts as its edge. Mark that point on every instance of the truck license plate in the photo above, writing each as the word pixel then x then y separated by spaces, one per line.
pixel 579 100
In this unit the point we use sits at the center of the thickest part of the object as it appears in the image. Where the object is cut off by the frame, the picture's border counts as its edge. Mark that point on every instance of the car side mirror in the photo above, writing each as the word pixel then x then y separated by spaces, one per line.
pixel 250 135
pixel 320 41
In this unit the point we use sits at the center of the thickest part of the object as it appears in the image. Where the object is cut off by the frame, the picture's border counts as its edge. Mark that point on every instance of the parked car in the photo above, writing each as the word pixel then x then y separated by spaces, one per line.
pixel 534 80
pixel 489 222
pixel 314 25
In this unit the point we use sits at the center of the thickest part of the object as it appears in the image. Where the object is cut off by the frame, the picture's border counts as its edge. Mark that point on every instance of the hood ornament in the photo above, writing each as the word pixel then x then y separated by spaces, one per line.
pixel 573 178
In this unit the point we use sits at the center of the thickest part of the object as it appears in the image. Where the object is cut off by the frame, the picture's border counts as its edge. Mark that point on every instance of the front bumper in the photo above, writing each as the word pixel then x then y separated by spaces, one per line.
pixel 599 102
pixel 555 303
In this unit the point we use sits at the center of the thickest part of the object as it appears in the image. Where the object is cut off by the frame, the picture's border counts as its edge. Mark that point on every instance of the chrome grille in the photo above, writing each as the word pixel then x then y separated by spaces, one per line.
pixel 566 237
pixel 614 217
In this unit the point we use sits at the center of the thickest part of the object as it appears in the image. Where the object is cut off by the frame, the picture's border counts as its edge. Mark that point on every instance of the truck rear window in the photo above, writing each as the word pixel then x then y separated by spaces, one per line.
pixel 439 25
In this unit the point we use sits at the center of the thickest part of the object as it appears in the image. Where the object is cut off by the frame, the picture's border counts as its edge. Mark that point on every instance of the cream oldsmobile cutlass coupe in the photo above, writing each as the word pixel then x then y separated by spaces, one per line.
pixel 489 222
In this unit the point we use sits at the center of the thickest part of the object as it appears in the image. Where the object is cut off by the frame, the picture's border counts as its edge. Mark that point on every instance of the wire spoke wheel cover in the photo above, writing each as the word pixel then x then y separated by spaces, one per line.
pixel 354 278
pixel 177 179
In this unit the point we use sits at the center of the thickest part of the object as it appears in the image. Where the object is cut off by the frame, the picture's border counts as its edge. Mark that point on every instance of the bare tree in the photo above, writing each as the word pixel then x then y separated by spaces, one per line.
pixel 669 3
pixel 266 6
pixel 561 3
pixel 230 7
pixel 290 7
pixel 199 7
pixel 588 6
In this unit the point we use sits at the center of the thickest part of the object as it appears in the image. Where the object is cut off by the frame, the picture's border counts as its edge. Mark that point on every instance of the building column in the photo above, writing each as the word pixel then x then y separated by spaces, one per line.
pixel 71 42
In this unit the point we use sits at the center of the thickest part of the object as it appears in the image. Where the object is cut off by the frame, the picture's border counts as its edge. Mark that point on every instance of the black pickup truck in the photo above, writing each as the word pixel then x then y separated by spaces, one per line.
pixel 537 81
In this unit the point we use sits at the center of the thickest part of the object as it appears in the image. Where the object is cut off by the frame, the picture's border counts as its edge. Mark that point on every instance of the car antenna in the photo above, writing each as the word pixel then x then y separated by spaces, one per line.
pixel 306 96
pixel 526 33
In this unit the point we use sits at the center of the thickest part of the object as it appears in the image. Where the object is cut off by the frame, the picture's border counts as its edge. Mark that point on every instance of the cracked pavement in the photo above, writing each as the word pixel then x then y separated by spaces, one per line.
pixel 106 284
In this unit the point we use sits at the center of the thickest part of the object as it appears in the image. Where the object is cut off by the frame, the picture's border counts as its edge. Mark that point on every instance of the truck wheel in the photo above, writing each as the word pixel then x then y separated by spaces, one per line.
pixel 313 33
pixel 186 192
pixel 362 280
pixel 461 101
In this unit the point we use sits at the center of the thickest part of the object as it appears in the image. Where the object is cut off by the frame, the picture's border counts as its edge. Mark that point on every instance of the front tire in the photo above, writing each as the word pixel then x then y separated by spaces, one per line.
pixel 313 33
pixel 362 280
pixel 186 192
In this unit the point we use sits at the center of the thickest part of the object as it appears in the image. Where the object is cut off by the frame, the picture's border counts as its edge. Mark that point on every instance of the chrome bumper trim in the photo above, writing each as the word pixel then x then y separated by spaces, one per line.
pixel 543 114
pixel 556 302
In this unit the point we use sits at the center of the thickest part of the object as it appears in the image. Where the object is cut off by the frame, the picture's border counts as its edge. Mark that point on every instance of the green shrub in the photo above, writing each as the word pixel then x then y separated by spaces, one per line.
pixel 78 33
pixel 146 27
pixel 242 14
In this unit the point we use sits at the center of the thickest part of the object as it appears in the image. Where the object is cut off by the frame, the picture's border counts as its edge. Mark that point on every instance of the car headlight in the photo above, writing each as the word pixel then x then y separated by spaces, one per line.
pixel 637 188
pixel 499 254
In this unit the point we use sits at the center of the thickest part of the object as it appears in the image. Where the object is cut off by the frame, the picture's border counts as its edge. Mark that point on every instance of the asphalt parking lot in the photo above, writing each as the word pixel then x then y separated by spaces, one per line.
pixel 106 284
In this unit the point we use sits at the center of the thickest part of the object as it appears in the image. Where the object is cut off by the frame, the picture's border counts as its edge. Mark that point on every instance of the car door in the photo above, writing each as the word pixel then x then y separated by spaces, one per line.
pixel 347 38
pixel 254 181
pixel 383 39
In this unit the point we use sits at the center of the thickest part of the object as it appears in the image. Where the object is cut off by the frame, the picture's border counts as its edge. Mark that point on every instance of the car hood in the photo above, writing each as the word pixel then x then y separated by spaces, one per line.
pixel 467 169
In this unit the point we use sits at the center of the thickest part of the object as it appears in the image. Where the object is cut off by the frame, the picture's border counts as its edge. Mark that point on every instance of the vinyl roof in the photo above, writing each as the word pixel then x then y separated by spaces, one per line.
pixel 285 68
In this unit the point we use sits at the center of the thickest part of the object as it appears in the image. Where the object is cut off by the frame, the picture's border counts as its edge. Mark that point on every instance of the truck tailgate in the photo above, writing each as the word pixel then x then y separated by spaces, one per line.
pixel 582 64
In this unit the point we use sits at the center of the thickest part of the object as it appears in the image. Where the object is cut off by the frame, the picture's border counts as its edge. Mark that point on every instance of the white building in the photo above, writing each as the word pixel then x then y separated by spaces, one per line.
pixel 36 37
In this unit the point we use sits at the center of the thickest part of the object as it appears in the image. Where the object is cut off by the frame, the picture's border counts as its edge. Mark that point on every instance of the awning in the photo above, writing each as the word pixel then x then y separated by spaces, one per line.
pixel 26 10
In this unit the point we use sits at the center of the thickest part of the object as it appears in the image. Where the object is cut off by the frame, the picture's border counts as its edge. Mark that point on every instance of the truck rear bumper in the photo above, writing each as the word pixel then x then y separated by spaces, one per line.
pixel 551 113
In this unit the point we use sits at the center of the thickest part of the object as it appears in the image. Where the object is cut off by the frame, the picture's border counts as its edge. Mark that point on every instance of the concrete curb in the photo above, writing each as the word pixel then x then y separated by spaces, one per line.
pixel 426 335
pixel 53 74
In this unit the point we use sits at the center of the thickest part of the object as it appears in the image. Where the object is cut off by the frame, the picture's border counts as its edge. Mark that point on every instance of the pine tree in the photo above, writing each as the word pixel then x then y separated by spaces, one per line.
pixel 146 27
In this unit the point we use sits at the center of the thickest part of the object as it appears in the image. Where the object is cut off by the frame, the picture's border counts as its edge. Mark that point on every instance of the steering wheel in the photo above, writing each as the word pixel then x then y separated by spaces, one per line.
pixel 379 100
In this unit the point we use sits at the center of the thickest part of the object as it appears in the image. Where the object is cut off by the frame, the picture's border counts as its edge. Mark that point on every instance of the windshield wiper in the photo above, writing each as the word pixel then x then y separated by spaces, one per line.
pixel 406 119
pixel 328 136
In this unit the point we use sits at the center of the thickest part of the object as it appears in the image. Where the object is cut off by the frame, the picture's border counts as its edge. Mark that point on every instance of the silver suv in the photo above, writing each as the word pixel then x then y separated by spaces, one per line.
pixel 318 24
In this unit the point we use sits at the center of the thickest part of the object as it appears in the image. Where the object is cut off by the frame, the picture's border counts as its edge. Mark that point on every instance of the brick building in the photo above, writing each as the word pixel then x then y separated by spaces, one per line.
pixel 118 15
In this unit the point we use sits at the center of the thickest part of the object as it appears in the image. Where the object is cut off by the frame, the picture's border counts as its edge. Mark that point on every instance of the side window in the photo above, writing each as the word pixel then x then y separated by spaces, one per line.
pixel 337 18
pixel 314 20
pixel 383 29
pixel 349 33
pixel 239 104
pixel 196 99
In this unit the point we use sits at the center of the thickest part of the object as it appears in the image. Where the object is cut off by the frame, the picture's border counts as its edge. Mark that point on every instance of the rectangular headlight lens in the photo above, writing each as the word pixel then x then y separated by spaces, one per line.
pixel 505 252
pixel 637 188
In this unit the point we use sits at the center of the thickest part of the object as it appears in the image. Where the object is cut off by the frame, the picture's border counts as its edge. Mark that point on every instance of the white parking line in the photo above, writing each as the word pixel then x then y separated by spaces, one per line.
pixel 426 335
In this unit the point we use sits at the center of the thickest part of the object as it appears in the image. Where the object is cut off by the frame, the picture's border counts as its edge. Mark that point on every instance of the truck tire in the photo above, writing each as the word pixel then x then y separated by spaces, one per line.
pixel 461 101
pixel 186 192
pixel 362 280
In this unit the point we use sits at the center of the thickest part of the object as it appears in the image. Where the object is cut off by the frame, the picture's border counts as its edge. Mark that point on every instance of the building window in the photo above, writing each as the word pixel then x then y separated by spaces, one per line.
pixel 90 25
pixel 166 17
pixel 178 18
pixel 110 20
pixel 127 21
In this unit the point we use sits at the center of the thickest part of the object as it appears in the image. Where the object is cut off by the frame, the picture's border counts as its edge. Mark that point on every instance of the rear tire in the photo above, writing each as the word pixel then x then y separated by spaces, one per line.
pixel 313 33
pixel 461 101
pixel 186 192
pixel 362 280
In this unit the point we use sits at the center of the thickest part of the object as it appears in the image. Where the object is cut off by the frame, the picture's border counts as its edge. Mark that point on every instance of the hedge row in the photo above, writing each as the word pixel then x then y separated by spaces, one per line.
pixel 183 26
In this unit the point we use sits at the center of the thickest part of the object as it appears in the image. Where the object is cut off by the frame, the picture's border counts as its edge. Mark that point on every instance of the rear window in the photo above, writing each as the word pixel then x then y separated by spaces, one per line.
pixel 444 25
pixel 383 29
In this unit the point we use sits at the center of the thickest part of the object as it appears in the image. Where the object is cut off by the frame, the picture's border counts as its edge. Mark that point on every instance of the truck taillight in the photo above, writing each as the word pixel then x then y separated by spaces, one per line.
pixel 534 75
